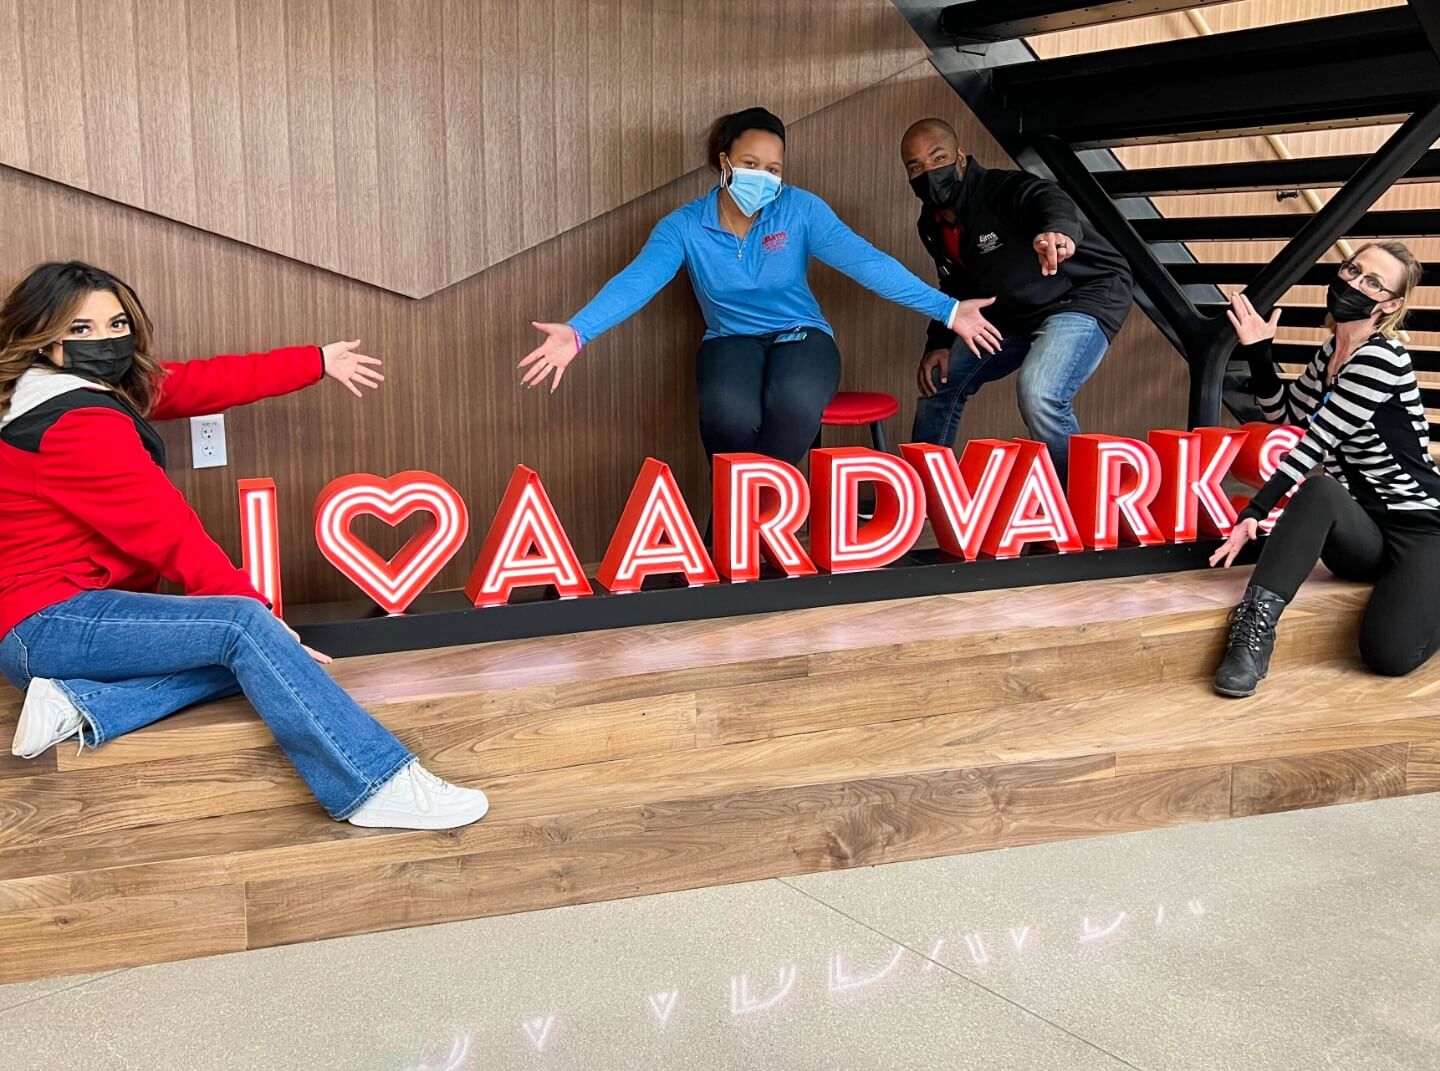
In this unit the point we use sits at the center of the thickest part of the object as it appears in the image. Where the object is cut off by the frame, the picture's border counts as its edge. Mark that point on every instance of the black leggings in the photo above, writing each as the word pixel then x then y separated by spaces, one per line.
pixel 1400 555
pixel 760 395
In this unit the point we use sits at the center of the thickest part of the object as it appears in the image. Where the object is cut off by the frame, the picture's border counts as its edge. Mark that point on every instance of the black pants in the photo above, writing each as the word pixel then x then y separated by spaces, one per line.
pixel 1399 554
pixel 760 395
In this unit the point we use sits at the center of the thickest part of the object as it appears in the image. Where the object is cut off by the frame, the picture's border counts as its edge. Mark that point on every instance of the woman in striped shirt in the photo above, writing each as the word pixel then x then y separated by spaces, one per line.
pixel 1374 515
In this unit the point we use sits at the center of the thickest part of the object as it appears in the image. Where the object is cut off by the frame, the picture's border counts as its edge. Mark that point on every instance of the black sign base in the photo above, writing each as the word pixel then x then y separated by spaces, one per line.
pixel 446 619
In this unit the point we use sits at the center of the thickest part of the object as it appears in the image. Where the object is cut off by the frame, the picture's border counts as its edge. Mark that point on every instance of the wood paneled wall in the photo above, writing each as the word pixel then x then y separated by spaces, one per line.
pixel 452 403
pixel 408 143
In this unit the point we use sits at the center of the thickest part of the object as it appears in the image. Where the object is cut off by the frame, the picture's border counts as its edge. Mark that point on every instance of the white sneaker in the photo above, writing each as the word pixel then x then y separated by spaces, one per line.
pixel 47 718
pixel 417 799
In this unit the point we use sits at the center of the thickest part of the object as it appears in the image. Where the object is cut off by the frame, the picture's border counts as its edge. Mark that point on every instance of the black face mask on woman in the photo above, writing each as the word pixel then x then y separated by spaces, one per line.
pixel 939 188
pixel 107 359
pixel 1347 304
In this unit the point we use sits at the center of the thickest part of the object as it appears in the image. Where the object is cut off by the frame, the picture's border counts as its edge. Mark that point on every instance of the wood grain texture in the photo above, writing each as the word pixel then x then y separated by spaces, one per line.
pixel 451 403
pixel 652 759
pixel 46 941
pixel 1422 771
pixel 1346 776
pixel 327 130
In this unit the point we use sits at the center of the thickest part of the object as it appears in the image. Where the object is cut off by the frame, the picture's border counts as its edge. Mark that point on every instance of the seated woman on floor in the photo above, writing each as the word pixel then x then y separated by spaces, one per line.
pixel 92 525
pixel 1374 515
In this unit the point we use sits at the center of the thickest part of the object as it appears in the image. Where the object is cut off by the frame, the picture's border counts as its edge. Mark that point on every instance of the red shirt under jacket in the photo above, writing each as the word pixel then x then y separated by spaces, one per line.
pixel 85 504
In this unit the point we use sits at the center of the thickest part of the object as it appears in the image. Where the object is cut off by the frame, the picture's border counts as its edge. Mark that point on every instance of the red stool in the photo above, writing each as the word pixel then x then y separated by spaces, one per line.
pixel 850 408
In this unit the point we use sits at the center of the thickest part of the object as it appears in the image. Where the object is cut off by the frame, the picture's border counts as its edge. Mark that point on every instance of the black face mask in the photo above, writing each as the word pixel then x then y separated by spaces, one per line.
pixel 106 359
pixel 939 188
pixel 1347 304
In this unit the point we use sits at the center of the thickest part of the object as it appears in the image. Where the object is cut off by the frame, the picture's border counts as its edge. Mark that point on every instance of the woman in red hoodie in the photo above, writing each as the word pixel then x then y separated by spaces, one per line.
pixel 92 525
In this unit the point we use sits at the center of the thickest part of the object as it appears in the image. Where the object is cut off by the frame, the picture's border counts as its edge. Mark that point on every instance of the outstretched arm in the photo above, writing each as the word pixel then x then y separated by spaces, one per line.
pixel 619 299
pixel 215 384
pixel 845 251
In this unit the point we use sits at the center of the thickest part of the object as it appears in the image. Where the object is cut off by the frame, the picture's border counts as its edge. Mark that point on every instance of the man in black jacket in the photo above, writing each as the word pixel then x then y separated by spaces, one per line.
pixel 1038 293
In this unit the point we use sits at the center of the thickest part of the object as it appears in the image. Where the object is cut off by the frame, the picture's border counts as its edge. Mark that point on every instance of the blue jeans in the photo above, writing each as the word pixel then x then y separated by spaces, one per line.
pixel 1054 362
pixel 127 660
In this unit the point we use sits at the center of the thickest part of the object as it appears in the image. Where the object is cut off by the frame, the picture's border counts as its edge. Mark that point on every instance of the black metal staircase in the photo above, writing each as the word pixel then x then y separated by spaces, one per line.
pixel 1362 68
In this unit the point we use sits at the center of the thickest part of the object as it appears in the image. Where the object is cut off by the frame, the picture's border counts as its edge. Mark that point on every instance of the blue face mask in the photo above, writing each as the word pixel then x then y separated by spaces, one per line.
pixel 752 189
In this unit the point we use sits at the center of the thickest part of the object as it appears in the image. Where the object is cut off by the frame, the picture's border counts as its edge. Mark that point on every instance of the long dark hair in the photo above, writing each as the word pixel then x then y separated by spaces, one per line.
pixel 39 311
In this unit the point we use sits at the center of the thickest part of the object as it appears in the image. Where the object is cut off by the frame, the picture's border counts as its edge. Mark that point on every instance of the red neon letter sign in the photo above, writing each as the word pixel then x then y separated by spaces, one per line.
pixel 1112 483
pixel 525 546
pixel 759 503
pixel 393 584
pixel 260 538
pixel 1192 464
pixel 1032 509
pixel 656 535
pixel 1264 448
pixel 961 497
pixel 837 541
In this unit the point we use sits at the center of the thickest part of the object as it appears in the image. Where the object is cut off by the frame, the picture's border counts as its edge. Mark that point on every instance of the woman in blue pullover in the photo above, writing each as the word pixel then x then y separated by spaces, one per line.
pixel 768 364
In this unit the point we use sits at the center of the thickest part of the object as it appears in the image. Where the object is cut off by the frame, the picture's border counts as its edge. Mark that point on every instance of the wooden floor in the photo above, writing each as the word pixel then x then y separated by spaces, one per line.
pixel 696 754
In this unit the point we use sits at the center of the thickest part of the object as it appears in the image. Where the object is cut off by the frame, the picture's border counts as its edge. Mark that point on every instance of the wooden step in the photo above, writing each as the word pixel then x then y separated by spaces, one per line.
pixel 711 754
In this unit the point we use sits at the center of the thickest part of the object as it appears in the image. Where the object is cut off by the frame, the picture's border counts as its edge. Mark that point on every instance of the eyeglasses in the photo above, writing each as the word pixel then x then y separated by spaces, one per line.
pixel 1371 284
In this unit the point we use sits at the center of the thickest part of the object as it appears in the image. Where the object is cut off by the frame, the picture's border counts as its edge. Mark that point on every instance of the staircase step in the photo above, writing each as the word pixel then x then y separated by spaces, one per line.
pixel 1365 66
pixel 781 745
pixel 1409 223
pixel 1314 316
pixel 1003 20
pixel 1219 274
pixel 1254 175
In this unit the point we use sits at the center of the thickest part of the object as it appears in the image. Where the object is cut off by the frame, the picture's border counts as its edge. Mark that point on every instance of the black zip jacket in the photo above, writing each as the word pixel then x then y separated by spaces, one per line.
pixel 999 214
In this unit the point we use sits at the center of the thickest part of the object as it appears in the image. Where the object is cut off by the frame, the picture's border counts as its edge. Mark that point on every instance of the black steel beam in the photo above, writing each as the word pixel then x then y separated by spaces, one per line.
pixel 1346 212
pixel 1369 67
pixel 1314 316
pixel 1337 37
pixel 1002 20
pixel 1165 296
pixel 1343 214
pixel 1316 275
pixel 1409 223
pixel 1427 14
pixel 1318 171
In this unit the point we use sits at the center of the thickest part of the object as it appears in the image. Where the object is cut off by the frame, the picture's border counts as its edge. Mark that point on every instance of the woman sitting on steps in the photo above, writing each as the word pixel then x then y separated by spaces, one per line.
pixel 1374 515
pixel 92 525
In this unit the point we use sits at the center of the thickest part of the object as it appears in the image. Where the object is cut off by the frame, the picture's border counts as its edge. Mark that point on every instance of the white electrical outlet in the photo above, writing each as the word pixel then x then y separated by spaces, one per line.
pixel 207 441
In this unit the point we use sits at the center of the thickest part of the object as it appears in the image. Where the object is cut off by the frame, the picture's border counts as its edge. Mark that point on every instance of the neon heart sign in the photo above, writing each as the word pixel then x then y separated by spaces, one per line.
pixel 393 584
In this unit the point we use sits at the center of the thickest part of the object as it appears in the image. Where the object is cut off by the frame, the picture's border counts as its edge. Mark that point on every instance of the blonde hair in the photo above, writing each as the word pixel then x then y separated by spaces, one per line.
pixel 1390 325
pixel 39 311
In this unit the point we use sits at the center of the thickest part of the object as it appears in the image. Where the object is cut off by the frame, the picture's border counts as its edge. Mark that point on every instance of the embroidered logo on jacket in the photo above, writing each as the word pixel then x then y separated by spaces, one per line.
pixel 773 243
pixel 988 243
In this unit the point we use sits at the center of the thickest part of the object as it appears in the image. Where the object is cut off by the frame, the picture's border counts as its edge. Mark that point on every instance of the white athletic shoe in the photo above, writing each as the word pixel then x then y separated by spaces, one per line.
pixel 47 718
pixel 417 799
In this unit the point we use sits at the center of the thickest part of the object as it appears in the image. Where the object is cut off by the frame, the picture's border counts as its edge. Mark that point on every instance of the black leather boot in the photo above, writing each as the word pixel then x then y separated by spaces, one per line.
pixel 1252 639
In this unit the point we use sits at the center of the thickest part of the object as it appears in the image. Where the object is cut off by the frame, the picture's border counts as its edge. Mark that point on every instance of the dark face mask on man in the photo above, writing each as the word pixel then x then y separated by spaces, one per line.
pixel 940 187
pixel 107 359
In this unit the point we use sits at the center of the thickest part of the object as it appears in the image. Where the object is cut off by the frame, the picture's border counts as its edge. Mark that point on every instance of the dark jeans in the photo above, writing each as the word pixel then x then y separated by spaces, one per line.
pixel 759 395
pixel 1399 554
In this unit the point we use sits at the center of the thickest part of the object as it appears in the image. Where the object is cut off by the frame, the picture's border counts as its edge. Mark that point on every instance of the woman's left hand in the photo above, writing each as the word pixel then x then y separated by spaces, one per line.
pixel 345 364
pixel 1243 532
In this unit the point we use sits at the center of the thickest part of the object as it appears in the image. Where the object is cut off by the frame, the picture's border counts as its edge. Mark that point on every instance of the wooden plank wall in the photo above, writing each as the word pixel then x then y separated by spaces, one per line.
pixel 408 143
pixel 452 404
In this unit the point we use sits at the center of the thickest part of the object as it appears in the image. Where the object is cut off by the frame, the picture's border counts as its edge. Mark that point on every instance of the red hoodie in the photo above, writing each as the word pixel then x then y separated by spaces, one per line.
pixel 85 503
